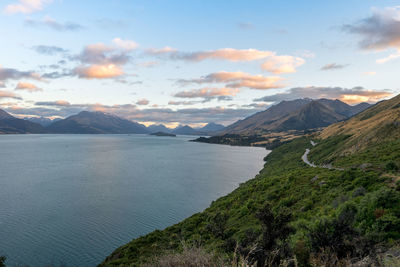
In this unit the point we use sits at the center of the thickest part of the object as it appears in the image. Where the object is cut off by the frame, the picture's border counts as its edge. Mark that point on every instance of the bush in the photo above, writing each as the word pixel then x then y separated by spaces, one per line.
pixel 391 166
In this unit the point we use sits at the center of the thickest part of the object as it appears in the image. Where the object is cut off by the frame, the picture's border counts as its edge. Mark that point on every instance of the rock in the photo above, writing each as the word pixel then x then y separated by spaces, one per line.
pixel 314 179
pixel 364 166
pixel 360 191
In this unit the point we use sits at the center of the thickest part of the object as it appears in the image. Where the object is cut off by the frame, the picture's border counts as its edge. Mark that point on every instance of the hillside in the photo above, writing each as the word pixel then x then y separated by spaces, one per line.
pixel 12 125
pixel 95 123
pixel 293 213
pixel 376 128
pixel 299 114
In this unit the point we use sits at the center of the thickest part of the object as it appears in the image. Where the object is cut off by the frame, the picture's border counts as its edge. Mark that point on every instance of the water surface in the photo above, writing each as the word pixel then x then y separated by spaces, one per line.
pixel 73 199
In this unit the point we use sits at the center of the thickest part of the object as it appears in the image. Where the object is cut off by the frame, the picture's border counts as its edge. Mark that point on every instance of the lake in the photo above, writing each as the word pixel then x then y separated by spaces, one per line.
pixel 73 199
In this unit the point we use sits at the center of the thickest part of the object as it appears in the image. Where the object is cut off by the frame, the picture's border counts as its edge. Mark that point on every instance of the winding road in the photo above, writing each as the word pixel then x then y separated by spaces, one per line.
pixel 311 164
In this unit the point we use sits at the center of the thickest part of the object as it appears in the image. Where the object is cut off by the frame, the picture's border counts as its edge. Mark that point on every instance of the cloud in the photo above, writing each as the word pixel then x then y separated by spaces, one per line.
pixel 184 103
pixel 127 45
pixel 54 25
pixel 26 6
pixel 99 71
pixel 209 93
pixel 272 62
pixel 229 54
pixel 238 80
pixel 379 31
pixel 164 50
pixel 370 73
pixel 2 85
pixel 388 58
pixel 334 66
pixel 148 64
pixel 57 74
pixel 282 64
pixel 245 25
pixel 14 74
pixel 100 61
pixel 102 54
pixel 7 94
pixel 57 103
pixel 30 87
pixel 49 50
pixel 143 102
pixel 350 96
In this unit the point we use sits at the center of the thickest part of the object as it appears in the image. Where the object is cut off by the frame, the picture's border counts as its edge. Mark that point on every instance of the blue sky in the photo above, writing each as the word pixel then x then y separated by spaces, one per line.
pixel 193 62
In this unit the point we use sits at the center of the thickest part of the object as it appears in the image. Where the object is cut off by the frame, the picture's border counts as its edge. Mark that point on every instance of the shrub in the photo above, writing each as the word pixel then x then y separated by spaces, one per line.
pixel 391 166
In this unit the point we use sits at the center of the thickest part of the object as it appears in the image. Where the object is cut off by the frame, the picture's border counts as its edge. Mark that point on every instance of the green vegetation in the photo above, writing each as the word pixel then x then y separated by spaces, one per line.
pixel 291 212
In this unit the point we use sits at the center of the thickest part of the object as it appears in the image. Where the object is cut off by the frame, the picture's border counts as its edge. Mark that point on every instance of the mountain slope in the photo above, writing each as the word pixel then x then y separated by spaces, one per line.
pixel 211 127
pixel 312 115
pixel 295 115
pixel 255 122
pixel 12 125
pixel 95 123
pixel 375 128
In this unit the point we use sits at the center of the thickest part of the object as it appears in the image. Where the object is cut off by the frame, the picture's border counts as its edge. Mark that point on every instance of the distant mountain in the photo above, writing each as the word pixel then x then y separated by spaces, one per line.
pixel 11 125
pixel 211 127
pixel 158 128
pixel 95 123
pixel 41 120
pixel 185 130
pixel 299 114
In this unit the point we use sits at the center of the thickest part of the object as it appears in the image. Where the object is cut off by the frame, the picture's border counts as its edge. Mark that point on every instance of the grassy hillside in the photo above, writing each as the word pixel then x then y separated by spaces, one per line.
pixel 294 213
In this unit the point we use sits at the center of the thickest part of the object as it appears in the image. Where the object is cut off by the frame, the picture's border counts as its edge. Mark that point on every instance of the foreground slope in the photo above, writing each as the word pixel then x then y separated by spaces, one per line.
pixel 95 123
pixel 11 125
pixel 293 212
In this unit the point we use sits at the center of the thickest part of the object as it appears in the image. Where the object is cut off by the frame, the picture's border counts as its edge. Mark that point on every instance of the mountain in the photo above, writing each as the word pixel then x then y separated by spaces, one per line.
pixel 312 115
pixel 345 211
pixel 185 130
pixel 259 120
pixel 41 120
pixel 95 123
pixel 11 125
pixel 211 127
pixel 299 114
pixel 158 128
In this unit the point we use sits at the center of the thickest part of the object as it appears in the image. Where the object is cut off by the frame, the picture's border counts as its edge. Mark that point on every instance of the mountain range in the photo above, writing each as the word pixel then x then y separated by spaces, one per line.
pixel 299 114
pixel 87 122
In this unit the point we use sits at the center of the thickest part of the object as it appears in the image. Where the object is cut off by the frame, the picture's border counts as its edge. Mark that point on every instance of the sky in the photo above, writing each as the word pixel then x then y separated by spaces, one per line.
pixel 193 62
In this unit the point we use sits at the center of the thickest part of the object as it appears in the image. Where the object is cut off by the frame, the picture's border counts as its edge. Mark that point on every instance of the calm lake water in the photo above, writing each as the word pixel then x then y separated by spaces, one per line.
pixel 73 199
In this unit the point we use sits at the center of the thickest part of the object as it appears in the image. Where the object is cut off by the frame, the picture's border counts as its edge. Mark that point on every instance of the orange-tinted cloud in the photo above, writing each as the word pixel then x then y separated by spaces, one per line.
pixel 99 71
pixel 26 6
pixel 239 79
pixel 282 64
pixel 30 87
pixel 142 102
pixel 349 95
pixel 229 54
pixel 7 94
